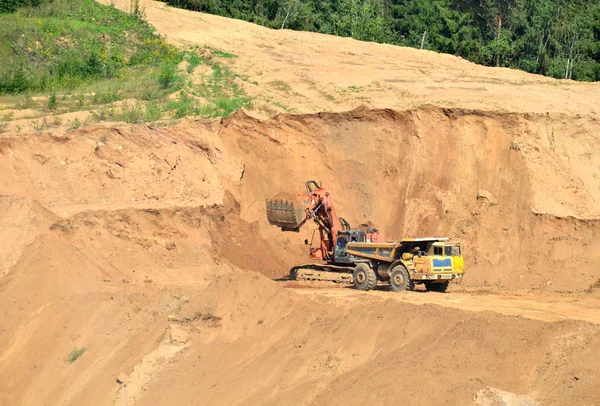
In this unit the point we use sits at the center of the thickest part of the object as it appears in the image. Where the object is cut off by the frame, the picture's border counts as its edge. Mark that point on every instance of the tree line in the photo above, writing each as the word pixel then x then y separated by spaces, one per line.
pixel 9 6
pixel 558 38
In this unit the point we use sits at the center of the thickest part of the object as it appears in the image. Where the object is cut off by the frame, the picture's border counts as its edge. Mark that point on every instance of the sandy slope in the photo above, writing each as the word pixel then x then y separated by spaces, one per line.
pixel 312 73
pixel 115 248
pixel 150 247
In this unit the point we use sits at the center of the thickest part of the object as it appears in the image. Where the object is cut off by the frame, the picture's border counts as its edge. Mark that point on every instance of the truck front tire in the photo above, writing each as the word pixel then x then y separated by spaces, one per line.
pixel 400 279
pixel 364 277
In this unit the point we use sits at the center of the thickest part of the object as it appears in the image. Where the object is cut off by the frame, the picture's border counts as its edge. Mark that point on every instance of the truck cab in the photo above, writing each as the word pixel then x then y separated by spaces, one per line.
pixel 440 262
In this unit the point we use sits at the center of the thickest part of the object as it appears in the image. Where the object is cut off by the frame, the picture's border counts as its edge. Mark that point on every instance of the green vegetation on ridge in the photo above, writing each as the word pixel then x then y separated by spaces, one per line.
pixel 558 38
pixel 81 55
pixel 65 44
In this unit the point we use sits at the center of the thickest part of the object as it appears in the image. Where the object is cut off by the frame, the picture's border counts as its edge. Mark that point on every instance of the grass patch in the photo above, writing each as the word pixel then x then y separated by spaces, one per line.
pixel 223 53
pixel 220 93
pixel 26 103
pixel 226 106
pixel 184 106
pixel 356 89
pixel 281 106
pixel 63 44
pixel 280 85
pixel 74 355
pixel 131 114
pixel 153 112
pixel 222 90
pixel 135 113
pixel 66 56
pixel 193 60
pixel 167 123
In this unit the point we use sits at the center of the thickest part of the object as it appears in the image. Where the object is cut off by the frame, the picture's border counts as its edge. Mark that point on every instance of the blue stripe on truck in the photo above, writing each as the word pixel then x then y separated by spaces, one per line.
pixel 442 263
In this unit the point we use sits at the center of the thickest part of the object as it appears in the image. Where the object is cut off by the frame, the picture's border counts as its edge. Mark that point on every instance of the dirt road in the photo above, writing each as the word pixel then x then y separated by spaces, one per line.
pixel 531 305
pixel 339 346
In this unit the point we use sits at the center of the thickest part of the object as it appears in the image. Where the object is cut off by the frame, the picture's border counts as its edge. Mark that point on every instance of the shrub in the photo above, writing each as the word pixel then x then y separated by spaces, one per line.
pixel 132 114
pixel 76 124
pixel 153 112
pixel 168 75
pixel 52 102
pixel 15 81
pixel 74 355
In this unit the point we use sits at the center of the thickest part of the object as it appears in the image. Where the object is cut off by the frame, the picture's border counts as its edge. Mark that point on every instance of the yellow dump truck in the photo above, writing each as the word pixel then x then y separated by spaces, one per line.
pixel 431 261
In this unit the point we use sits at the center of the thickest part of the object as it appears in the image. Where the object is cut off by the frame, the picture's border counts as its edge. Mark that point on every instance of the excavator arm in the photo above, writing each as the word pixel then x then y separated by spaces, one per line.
pixel 318 206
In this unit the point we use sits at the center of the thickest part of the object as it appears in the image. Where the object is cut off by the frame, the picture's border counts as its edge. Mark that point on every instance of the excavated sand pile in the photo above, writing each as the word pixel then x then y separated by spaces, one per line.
pixel 110 231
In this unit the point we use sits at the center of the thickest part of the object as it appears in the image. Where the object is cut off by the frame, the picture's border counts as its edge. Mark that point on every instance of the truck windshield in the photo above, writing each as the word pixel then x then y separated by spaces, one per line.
pixel 452 250
pixel 341 242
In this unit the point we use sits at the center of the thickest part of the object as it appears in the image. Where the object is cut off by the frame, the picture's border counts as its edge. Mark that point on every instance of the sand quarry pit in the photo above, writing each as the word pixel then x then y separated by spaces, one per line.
pixel 149 247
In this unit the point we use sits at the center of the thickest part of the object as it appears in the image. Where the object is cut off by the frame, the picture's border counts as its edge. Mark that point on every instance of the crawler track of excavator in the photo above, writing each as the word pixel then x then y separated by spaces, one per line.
pixel 326 273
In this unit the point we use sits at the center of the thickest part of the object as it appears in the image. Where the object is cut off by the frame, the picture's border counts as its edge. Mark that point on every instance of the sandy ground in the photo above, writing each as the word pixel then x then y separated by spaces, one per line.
pixel 531 305
pixel 149 247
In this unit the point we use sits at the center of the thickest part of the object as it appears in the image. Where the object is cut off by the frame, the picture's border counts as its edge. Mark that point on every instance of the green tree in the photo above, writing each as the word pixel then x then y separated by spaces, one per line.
pixel 361 19
pixel 429 24
pixel 560 38
pixel 9 6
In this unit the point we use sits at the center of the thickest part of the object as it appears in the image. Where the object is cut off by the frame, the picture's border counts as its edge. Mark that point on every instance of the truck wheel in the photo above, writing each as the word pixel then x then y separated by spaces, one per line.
pixel 436 287
pixel 400 280
pixel 364 277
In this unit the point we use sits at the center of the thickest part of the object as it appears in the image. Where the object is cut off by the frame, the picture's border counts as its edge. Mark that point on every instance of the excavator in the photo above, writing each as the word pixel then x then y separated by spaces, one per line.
pixel 362 256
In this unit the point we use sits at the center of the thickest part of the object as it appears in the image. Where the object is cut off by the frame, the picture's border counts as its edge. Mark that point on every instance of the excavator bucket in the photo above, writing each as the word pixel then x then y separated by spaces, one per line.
pixel 284 214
